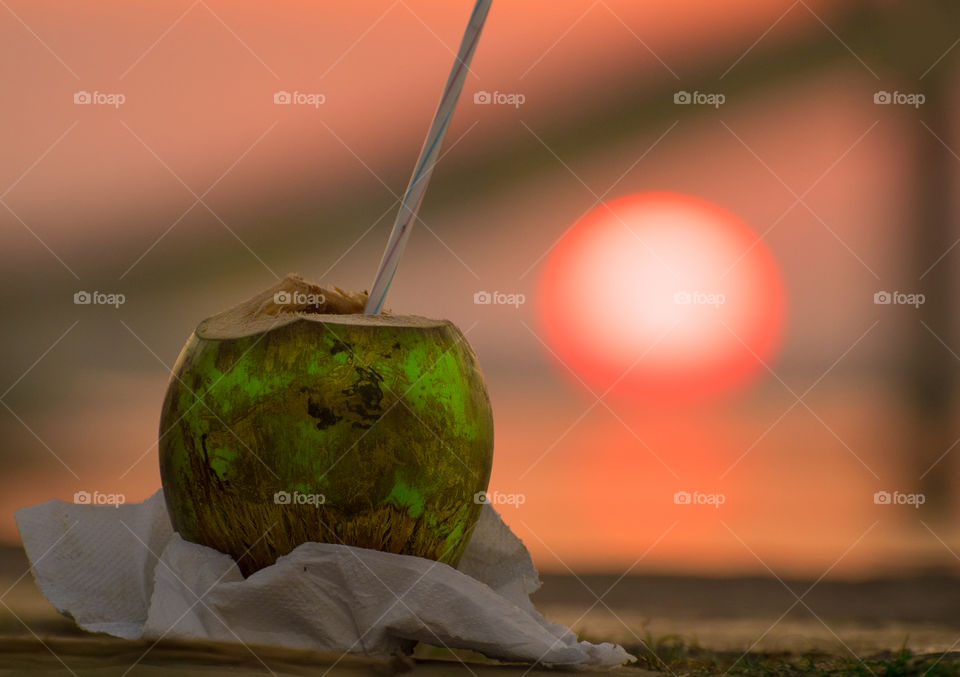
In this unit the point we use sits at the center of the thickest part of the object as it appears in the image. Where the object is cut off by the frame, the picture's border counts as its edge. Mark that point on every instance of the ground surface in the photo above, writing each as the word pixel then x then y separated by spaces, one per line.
pixel 677 626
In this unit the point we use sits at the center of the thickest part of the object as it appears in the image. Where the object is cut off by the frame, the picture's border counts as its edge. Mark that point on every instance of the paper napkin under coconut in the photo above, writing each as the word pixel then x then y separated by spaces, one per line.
pixel 123 571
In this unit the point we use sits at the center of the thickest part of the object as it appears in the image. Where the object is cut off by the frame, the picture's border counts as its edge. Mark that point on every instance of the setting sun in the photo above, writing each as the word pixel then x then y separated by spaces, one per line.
pixel 662 295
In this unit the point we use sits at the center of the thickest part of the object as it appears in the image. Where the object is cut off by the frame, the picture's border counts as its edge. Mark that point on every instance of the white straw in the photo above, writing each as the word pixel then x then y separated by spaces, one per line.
pixel 428 157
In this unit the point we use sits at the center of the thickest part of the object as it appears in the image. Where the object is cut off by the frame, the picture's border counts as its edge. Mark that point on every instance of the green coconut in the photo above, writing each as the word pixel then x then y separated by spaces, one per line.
pixel 294 417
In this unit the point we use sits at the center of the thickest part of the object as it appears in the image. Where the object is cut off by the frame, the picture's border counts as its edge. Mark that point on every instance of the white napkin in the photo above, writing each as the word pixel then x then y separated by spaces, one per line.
pixel 123 571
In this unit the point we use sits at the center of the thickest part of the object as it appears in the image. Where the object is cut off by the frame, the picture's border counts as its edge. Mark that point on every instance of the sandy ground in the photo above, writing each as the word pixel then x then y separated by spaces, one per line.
pixel 100 657
pixel 921 613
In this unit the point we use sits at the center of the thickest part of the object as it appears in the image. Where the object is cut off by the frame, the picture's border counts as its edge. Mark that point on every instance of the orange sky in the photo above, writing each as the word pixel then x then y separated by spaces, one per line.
pixel 199 93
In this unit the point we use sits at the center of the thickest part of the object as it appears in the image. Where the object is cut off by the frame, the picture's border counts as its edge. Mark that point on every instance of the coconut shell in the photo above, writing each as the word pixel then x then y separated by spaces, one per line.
pixel 293 417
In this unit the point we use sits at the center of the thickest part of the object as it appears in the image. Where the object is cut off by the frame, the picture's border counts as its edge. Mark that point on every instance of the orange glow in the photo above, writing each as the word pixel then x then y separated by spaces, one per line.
pixel 662 295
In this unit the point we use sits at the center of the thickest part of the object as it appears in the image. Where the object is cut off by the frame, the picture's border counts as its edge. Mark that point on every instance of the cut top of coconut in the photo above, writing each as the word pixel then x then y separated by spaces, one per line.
pixel 294 298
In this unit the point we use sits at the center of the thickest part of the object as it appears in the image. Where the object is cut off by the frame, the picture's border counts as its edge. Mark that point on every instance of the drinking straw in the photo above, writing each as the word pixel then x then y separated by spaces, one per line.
pixel 412 198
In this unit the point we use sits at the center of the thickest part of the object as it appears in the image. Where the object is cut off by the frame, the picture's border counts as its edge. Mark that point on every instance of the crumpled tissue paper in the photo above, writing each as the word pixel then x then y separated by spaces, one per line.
pixel 123 571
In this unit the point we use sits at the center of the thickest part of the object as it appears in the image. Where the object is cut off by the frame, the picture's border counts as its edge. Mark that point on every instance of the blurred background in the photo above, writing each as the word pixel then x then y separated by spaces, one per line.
pixel 144 155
